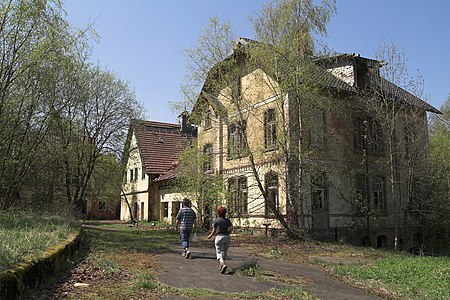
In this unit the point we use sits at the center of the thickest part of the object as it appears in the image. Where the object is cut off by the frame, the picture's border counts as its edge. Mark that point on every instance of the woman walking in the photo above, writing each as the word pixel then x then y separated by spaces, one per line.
pixel 222 228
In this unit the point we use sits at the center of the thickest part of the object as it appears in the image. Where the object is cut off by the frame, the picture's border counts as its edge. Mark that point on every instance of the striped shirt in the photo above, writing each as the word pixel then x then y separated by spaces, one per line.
pixel 187 218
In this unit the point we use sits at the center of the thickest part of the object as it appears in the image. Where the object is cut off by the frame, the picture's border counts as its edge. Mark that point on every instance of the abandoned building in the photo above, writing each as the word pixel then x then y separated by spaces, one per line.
pixel 357 168
pixel 152 154
pixel 345 178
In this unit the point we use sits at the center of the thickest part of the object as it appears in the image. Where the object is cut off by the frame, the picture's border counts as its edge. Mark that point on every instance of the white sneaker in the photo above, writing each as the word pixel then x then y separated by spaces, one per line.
pixel 188 254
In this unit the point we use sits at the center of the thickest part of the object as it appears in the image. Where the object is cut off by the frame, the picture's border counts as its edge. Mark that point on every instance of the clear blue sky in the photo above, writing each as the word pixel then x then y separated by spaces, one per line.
pixel 143 41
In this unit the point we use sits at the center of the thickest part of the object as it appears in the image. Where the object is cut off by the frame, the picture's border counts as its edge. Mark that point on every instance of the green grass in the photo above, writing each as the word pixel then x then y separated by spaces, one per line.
pixel 410 276
pixel 27 236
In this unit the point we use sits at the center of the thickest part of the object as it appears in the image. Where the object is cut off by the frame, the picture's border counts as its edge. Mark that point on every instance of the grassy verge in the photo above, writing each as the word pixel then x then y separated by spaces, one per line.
pixel 28 236
pixel 407 276
pixel 394 274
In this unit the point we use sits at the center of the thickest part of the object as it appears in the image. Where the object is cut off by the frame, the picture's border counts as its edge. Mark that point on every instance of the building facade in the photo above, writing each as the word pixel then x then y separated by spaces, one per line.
pixel 360 142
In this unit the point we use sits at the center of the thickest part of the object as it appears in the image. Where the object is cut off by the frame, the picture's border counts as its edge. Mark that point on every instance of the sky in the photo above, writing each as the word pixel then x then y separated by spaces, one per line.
pixel 144 41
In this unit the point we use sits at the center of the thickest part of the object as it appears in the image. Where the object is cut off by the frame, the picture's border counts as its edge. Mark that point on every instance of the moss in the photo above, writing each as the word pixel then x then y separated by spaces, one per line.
pixel 30 272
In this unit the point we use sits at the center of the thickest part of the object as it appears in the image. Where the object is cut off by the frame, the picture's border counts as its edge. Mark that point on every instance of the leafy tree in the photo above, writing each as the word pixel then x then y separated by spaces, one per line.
pixel 34 46
pixel 439 199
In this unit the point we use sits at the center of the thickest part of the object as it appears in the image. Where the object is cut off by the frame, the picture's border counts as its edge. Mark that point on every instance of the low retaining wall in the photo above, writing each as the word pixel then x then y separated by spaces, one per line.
pixel 29 274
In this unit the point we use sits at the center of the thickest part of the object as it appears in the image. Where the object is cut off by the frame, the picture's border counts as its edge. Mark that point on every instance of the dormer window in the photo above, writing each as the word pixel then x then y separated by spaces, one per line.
pixel 160 140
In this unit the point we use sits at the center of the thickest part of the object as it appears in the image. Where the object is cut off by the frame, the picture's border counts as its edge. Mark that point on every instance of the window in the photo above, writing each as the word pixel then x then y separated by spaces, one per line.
pixel 237 195
pixel 317 128
pixel 135 174
pixel 165 209
pixel 378 193
pixel 361 193
pixel 143 174
pixel 368 135
pixel 207 120
pixel 270 130
pixel 101 205
pixel 207 163
pixel 271 184
pixel 410 141
pixel 237 143
pixel 131 176
pixel 318 191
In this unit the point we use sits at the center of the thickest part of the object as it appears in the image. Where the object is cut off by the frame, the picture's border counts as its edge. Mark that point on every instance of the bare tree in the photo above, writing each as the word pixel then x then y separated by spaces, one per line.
pixel 284 52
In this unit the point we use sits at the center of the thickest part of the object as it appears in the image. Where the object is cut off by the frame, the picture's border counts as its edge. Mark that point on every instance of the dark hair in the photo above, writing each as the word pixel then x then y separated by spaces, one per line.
pixel 222 211
pixel 186 202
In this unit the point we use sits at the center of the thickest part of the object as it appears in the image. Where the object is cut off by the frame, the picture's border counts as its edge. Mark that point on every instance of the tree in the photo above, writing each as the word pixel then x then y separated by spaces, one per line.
pixel 283 50
pixel 395 124
pixel 438 203
pixel 93 126
pixel 35 44
pixel 196 179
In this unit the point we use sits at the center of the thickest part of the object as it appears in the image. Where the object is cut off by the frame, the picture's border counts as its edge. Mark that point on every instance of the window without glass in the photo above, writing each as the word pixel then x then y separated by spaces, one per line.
pixel 237 195
pixel 237 145
pixel 361 192
pixel 270 130
pixel 101 205
pixel 207 163
pixel 317 128
pixel 318 191
pixel 271 184
pixel 368 135
pixel 378 193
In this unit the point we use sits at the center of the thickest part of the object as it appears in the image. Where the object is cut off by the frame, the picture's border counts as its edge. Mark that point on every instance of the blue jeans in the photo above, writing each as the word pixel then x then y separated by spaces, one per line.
pixel 185 234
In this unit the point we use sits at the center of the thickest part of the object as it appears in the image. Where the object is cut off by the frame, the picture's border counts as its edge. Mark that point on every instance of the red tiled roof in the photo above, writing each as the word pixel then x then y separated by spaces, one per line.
pixel 160 144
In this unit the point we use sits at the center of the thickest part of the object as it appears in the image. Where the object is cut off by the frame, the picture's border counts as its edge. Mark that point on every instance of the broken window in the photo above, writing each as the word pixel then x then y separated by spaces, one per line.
pixel 318 191
pixel 368 135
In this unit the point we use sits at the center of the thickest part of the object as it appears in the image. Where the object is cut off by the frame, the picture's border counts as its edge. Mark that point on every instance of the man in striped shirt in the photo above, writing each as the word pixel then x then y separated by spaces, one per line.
pixel 185 219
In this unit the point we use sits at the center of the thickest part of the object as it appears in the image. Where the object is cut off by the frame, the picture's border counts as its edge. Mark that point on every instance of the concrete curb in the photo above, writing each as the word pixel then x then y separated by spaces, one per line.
pixel 30 273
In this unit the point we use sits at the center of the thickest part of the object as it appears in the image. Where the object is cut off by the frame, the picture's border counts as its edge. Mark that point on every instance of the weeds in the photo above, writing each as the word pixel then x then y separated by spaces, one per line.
pixel 249 268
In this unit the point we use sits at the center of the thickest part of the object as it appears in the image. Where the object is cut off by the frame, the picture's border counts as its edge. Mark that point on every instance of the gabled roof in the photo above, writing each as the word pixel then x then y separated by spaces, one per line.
pixel 160 144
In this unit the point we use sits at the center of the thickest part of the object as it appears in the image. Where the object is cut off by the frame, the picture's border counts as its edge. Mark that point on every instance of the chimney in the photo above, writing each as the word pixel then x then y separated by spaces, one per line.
pixel 183 120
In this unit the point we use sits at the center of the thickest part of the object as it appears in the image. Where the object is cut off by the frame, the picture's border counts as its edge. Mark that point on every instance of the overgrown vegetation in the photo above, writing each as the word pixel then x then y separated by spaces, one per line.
pixel 391 273
pixel 28 236
pixel 408 276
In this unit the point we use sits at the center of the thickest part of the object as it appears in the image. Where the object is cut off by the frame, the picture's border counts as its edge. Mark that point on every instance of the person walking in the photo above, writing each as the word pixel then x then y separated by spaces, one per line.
pixel 222 228
pixel 185 220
